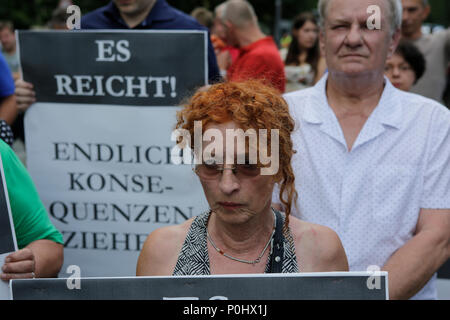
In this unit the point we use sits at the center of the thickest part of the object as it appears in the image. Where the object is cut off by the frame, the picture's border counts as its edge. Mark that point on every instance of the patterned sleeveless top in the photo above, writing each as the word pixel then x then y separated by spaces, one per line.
pixel 194 259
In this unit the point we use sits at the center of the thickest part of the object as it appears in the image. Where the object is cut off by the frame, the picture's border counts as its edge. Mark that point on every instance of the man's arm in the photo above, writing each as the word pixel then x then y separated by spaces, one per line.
pixel 412 266
pixel 8 110
pixel 44 258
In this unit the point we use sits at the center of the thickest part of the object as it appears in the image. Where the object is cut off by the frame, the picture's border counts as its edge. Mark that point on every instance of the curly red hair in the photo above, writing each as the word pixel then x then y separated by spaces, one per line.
pixel 250 104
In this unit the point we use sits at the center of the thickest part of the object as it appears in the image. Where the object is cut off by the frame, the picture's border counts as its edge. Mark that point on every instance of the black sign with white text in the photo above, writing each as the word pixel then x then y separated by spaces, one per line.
pixel 167 66
pixel 300 286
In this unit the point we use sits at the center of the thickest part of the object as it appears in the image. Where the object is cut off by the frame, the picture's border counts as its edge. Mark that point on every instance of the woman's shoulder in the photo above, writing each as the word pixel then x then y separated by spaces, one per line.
pixel 319 248
pixel 170 236
pixel 161 248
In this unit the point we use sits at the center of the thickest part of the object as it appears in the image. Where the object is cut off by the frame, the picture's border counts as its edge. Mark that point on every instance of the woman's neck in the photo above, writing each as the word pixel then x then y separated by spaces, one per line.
pixel 241 238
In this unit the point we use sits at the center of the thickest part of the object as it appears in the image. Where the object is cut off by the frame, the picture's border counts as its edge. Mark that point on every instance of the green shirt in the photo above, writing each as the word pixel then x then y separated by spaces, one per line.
pixel 31 221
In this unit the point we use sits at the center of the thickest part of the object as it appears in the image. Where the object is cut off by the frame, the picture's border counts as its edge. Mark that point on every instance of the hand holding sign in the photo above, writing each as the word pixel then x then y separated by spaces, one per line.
pixel 25 95
pixel 19 265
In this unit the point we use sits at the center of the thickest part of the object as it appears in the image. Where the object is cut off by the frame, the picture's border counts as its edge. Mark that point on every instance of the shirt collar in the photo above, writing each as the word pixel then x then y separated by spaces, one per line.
pixel 388 111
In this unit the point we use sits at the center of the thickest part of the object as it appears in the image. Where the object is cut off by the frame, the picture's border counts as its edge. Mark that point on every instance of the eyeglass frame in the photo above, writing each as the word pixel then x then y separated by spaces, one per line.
pixel 233 169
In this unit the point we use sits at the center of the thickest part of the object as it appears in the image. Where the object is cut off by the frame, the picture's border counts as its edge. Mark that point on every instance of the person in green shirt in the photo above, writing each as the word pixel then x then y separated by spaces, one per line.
pixel 40 243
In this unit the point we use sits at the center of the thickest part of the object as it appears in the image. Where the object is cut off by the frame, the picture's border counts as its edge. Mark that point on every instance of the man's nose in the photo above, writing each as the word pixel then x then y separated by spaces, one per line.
pixel 228 182
pixel 354 37
pixel 405 15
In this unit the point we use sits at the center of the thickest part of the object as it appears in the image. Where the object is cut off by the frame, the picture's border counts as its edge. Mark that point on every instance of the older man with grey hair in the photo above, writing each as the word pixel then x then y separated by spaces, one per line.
pixel 373 162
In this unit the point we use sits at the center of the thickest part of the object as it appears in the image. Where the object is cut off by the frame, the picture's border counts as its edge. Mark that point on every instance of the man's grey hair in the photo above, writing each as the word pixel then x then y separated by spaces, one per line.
pixel 239 12
pixel 395 16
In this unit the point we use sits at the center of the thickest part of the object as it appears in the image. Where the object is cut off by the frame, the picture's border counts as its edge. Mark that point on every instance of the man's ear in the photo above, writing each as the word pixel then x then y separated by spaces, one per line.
pixel 395 39
pixel 426 12
pixel 228 24
pixel 322 40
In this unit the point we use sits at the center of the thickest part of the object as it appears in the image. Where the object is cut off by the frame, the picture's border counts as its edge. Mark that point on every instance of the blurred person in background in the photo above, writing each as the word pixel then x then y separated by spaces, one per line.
pixel 58 20
pixel 259 57
pixel 203 16
pixel 8 111
pixel 406 66
pixel 9 47
pixel 434 47
pixel 304 64
pixel 224 52
pixel 40 244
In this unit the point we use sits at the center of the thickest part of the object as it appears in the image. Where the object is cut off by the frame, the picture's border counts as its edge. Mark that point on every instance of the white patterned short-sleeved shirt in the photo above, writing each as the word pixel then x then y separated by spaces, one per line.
pixel 372 195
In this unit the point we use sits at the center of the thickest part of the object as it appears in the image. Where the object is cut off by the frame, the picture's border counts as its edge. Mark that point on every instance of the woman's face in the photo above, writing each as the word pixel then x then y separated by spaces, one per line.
pixel 235 197
pixel 400 72
pixel 307 35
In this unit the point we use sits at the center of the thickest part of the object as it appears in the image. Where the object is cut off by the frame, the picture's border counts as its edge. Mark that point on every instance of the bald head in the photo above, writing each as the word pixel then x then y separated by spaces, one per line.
pixel 239 12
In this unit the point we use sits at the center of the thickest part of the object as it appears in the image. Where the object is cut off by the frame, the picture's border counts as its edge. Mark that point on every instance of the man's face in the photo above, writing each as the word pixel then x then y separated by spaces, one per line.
pixel 133 7
pixel 230 34
pixel 7 39
pixel 414 14
pixel 350 46
pixel 219 29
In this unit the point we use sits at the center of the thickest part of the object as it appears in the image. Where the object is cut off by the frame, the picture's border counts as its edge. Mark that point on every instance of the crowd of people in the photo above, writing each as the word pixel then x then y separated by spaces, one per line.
pixel 364 169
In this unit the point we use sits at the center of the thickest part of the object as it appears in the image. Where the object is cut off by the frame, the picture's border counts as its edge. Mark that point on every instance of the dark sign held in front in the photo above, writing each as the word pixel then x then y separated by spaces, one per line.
pixel 96 69
pixel 306 286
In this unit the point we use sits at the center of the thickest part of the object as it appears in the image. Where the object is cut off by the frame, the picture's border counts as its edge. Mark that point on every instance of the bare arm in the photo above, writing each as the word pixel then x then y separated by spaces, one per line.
pixel 412 266
pixel 8 110
pixel 43 257
pixel 318 247
pixel 333 257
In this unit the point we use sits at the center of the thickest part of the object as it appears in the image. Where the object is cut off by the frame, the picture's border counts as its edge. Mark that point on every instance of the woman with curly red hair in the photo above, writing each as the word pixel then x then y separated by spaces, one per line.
pixel 241 233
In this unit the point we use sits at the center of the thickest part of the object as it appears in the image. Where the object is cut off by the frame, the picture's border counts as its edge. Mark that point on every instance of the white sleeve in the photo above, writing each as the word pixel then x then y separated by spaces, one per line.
pixel 436 188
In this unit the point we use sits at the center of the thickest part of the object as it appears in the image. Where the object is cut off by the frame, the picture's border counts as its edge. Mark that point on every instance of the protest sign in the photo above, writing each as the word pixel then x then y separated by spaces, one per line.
pixel 8 242
pixel 293 286
pixel 99 142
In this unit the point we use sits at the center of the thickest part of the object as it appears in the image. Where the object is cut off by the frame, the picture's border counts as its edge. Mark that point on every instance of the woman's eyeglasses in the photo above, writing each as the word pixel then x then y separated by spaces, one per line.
pixel 214 171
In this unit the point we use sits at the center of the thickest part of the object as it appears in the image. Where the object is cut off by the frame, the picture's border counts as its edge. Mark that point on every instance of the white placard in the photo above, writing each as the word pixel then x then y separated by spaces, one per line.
pixel 107 181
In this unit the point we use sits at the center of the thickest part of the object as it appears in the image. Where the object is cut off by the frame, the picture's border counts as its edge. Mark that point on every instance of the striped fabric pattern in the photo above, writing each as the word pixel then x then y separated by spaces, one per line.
pixel 194 260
